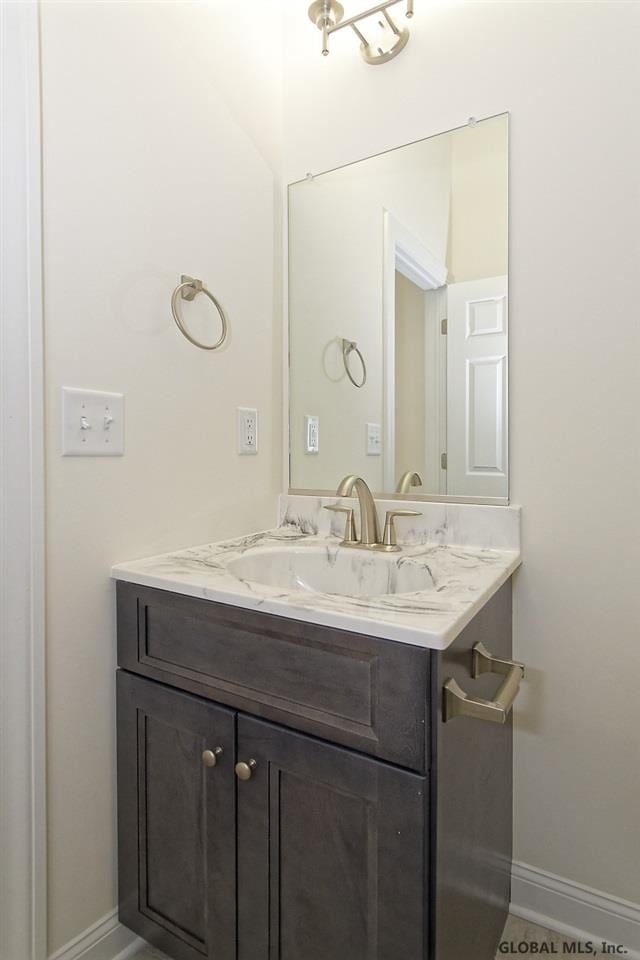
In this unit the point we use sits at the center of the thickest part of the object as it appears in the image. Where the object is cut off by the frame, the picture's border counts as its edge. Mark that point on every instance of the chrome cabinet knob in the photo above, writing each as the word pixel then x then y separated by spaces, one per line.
pixel 210 757
pixel 244 771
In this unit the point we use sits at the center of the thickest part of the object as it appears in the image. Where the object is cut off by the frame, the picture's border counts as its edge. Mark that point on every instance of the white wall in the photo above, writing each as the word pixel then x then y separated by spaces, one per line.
pixel 568 72
pixel 161 126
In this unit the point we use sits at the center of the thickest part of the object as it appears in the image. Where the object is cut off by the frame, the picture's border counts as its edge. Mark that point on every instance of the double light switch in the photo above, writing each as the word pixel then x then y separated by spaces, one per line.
pixel 92 423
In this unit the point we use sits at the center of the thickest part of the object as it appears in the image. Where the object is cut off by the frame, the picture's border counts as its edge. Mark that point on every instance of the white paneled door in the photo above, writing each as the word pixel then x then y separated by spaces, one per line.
pixel 477 437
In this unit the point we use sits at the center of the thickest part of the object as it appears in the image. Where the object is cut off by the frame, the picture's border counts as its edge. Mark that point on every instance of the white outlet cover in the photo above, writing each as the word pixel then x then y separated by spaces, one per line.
pixel 311 434
pixel 374 440
pixel 92 423
pixel 247 430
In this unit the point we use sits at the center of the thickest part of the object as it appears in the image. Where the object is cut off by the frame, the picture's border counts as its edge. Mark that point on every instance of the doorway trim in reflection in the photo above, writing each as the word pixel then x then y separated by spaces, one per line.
pixel 404 253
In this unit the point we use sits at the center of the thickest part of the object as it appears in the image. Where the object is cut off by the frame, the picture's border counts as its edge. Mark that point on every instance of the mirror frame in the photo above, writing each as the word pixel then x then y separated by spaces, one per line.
pixel 408 497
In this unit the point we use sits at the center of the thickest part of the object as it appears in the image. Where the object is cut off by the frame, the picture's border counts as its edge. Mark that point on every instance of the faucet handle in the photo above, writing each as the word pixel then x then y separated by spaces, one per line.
pixel 389 538
pixel 350 526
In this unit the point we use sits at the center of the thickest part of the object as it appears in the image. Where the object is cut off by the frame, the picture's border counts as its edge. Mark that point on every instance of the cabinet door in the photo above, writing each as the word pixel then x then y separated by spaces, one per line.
pixel 331 852
pixel 176 820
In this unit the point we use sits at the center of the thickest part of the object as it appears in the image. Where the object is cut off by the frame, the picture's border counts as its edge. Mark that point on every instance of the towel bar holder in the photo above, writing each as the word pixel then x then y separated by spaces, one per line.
pixel 457 703
pixel 188 289
pixel 349 347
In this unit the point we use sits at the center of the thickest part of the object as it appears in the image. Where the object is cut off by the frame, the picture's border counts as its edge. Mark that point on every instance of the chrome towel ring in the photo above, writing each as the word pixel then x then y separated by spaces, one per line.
pixel 187 289
pixel 349 347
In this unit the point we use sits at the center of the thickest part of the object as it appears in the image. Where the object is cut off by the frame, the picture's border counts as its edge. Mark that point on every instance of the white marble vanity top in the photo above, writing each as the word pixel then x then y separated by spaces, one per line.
pixel 462 552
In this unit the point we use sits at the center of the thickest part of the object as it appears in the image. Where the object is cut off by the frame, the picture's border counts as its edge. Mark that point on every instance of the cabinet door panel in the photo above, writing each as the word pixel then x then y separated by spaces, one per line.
pixel 331 852
pixel 175 820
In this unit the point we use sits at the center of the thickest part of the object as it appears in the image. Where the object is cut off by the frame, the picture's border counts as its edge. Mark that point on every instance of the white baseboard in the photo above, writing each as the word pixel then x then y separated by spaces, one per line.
pixel 569 908
pixel 574 910
pixel 107 939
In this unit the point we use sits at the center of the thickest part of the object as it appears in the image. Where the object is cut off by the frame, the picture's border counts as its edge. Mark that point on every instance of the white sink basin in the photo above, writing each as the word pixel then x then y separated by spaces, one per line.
pixel 347 572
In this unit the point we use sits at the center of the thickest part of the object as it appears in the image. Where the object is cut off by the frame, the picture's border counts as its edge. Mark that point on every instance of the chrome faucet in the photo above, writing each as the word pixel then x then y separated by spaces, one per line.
pixel 408 479
pixel 369 527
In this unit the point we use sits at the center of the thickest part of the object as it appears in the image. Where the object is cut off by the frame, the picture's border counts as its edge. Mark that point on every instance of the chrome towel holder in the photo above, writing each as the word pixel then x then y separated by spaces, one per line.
pixel 349 347
pixel 187 289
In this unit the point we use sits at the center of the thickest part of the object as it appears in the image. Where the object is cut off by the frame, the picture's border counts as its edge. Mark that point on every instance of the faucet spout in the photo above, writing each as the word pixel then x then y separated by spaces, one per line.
pixel 407 480
pixel 369 529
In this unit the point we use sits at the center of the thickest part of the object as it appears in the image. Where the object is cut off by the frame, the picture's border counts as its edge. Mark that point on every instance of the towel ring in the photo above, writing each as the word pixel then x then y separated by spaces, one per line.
pixel 187 289
pixel 348 347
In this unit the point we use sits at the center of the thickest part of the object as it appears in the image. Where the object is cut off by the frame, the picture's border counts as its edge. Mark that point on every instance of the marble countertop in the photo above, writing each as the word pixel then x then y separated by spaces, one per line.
pixel 460 577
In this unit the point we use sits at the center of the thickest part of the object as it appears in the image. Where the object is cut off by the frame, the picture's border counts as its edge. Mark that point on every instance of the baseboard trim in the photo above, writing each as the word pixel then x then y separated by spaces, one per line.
pixel 107 939
pixel 574 910
pixel 569 908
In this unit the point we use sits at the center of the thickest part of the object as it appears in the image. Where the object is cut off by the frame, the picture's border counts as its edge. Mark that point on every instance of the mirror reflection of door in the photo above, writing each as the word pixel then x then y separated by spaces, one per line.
pixel 451 386
pixel 477 388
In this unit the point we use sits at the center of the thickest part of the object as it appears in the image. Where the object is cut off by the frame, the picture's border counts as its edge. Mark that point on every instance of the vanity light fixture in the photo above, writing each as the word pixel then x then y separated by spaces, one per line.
pixel 389 38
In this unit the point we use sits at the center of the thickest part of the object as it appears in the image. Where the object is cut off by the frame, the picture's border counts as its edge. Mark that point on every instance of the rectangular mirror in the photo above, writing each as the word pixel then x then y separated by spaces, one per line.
pixel 398 319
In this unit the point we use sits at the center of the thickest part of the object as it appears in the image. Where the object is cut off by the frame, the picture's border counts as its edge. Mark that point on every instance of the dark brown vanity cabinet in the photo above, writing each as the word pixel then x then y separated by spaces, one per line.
pixel 176 819
pixel 331 852
pixel 241 838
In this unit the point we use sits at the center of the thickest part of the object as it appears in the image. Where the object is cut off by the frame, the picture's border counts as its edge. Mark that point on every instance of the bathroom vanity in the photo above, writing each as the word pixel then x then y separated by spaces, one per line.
pixel 314 739
pixel 293 780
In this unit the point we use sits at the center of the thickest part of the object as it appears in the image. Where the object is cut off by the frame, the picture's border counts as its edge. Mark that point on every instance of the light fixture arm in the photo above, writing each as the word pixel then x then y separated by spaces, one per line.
pixel 328 17
pixel 326 14
pixel 379 8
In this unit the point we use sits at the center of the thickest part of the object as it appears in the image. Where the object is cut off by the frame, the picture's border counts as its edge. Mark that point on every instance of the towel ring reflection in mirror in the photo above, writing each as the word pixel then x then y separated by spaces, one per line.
pixel 187 289
pixel 349 347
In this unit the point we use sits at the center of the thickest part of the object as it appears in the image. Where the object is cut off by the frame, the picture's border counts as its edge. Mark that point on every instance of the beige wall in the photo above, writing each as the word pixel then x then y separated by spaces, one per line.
pixel 410 376
pixel 155 164
pixel 566 72
pixel 479 226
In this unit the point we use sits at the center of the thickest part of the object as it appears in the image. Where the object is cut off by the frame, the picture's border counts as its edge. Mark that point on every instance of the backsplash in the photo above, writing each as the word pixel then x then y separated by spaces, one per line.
pixel 464 524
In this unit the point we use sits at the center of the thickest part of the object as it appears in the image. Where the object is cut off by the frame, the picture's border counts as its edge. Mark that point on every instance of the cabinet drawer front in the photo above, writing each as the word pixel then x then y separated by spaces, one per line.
pixel 331 852
pixel 359 691
pixel 176 820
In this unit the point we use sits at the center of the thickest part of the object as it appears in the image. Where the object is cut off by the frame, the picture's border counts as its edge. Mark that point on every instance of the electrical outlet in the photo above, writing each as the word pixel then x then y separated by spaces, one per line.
pixel 374 440
pixel 312 434
pixel 247 430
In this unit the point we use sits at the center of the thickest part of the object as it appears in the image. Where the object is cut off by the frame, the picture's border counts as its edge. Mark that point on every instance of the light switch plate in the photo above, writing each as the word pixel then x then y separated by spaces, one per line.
pixel 311 434
pixel 247 430
pixel 92 423
pixel 374 440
